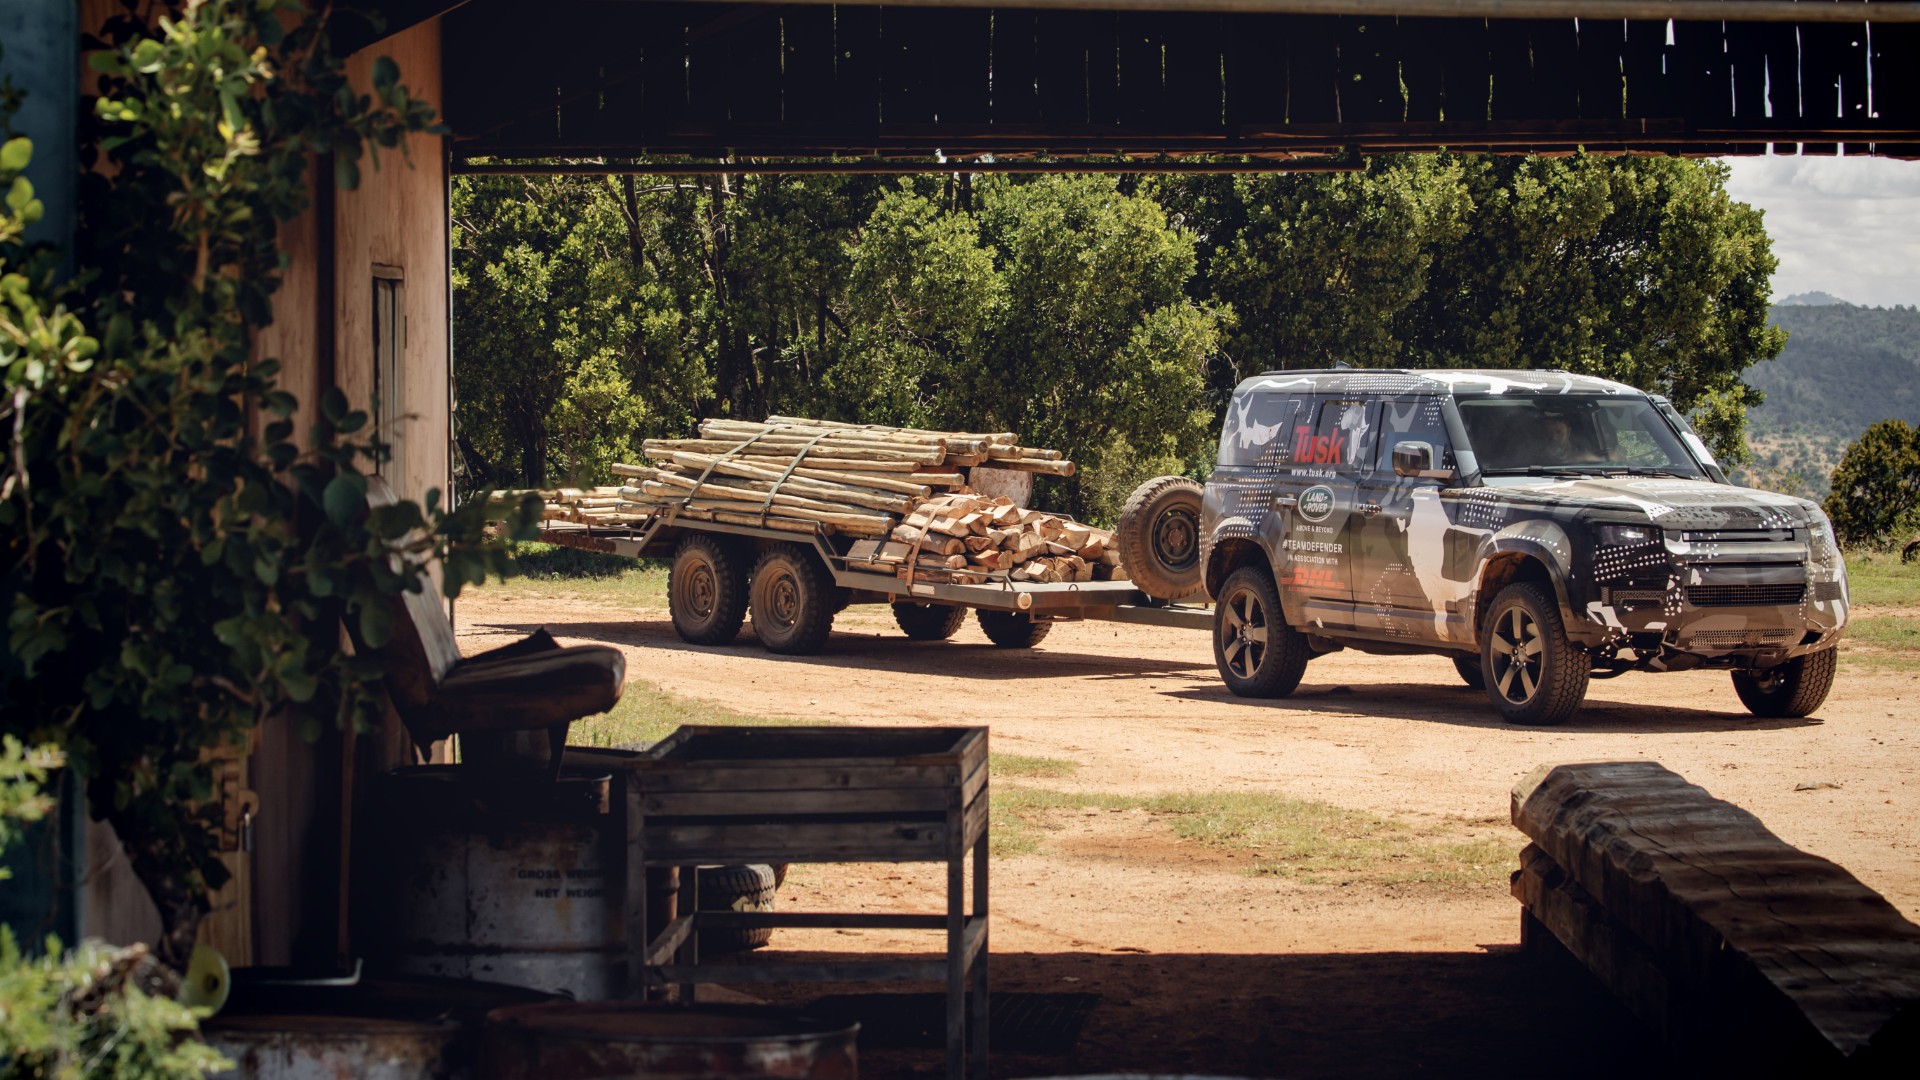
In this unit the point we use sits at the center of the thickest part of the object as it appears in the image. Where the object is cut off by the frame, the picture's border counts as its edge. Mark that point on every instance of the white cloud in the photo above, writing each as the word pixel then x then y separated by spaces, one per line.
pixel 1845 226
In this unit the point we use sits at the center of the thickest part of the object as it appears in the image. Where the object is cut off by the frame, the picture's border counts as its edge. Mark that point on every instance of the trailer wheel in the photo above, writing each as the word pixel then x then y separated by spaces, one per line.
pixel 707 590
pixel 1012 629
pixel 1159 537
pixel 928 622
pixel 792 600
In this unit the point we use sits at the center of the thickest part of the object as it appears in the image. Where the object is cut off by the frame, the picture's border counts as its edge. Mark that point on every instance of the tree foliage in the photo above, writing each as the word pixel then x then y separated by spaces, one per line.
pixel 1875 500
pixel 173 566
pixel 1109 318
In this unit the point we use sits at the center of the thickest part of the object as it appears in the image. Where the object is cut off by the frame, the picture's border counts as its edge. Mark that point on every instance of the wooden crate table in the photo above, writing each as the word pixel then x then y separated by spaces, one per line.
pixel 734 795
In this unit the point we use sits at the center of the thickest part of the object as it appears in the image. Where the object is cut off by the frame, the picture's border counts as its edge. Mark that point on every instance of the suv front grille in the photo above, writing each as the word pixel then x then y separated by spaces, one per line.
pixel 1733 639
pixel 1745 595
pixel 1737 536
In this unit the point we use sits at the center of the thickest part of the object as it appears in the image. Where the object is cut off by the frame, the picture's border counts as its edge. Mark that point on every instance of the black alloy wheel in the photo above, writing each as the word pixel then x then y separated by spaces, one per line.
pixel 1535 675
pixel 1256 652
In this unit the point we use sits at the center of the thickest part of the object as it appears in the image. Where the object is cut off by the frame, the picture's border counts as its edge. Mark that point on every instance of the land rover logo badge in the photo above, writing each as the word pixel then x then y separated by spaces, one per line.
pixel 1316 502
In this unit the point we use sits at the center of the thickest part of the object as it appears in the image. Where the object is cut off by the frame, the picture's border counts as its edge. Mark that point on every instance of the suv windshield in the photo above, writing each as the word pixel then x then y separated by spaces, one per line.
pixel 1540 434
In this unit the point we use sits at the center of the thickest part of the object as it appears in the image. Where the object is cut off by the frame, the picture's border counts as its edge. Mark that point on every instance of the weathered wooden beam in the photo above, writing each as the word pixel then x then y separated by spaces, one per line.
pixel 1730 910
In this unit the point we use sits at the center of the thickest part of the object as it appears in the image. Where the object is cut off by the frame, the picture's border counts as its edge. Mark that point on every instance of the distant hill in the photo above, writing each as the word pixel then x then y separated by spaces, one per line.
pixel 1844 369
pixel 1811 299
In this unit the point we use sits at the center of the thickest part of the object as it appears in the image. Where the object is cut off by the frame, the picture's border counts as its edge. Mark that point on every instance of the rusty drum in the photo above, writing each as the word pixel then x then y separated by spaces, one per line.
pixel 517 883
pixel 607 1040
pixel 381 1029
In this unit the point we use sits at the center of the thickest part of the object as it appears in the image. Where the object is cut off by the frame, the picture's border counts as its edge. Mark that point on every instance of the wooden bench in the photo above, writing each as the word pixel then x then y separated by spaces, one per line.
pixel 1731 943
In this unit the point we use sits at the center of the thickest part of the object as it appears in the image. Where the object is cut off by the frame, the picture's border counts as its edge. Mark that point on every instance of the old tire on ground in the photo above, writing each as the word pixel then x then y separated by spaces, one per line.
pixel 1792 689
pixel 1012 629
pixel 1470 673
pixel 1257 653
pixel 707 589
pixel 929 622
pixel 1159 537
pixel 736 888
pixel 1534 674
pixel 792 600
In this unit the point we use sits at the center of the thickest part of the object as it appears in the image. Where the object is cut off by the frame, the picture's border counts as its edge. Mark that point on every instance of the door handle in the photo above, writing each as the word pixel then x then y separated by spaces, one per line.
pixel 1287 501
pixel 1369 509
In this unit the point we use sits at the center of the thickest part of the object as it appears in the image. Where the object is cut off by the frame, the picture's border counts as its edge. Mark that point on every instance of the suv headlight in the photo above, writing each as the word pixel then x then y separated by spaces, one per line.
pixel 1820 533
pixel 1627 535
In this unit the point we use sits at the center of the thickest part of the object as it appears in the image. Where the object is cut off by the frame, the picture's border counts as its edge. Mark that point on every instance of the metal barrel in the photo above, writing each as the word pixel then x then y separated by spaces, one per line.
pixel 608 1040
pixel 380 1029
pixel 517 883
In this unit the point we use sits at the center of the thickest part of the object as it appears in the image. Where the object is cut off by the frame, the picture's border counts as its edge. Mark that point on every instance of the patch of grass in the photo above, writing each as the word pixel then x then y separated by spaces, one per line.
pixel 1314 842
pixel 1883 641
pixel 646 714
pixel 1017 815
pixel 1876 578
pixel 549 570
pixel 1026 766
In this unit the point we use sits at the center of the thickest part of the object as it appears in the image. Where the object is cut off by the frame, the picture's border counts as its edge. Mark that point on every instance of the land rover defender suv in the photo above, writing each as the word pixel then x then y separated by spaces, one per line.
pixel 1540 528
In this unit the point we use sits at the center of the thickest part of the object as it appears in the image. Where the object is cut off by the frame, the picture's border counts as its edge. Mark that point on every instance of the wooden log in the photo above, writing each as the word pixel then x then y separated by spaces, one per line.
pixel 776 524
pixel 776 502
pixel 838 436
pixel 879 551
pixel 1049 468
pixel 944 545
pixel 1733 913
pixel 702 463
pixel 743 513
pixel 995 437
pixel 848 455
pixel 1582 927
pixel 808 489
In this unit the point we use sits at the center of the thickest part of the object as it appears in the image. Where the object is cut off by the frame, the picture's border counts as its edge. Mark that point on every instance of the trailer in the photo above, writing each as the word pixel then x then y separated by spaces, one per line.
pixel 795 583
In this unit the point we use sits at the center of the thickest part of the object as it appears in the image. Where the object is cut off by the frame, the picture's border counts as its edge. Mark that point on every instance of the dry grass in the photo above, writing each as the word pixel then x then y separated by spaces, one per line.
pixel 1313 842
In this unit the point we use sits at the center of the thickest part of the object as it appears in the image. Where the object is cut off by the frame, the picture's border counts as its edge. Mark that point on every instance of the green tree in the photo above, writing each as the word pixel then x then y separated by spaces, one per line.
pixel 568 348
pixel 1636 269
pixel 173 567
pixel 1875 498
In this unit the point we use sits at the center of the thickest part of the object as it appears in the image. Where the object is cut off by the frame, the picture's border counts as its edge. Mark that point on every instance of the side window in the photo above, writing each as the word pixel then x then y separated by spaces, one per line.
pixel 1340 436
pixel 1412 419
pixel 1258 429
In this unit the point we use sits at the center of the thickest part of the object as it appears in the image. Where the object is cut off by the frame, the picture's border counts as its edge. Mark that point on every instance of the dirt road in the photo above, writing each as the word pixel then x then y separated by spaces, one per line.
pixel 1200 965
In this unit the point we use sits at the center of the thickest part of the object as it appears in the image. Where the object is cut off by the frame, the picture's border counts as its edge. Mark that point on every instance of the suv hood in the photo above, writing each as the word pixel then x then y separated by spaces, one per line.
pixel 1694 504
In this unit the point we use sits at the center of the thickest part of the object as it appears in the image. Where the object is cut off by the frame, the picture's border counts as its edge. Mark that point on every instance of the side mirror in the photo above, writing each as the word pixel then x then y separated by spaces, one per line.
pixel 1415 459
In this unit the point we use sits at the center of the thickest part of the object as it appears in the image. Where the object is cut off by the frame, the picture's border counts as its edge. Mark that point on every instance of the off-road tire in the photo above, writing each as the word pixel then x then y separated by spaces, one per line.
pixel 1544 681
pixel 791 599
pixel 1012 629
pixel 1792 689
pixel 929 622
pixel 1159 537
pixel 1257 653
pixel 1470 671
pixel 736 888
pixel 707 589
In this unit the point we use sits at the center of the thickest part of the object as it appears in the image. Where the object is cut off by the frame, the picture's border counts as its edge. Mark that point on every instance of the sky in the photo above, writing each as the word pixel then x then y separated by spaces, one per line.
pixel 1846 226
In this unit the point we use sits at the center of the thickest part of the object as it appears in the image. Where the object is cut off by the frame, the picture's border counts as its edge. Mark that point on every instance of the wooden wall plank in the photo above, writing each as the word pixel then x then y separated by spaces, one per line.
pixel 1601 86
pixel 1256 61
pixel 858 64
pixel 1554 54
pixel 1142 79
pixel 1100 31
pixel 1195 100
pixel 1060 66
pixel 806 84
pixel 1313 73
pixel 1370 70
pixel 754 56
pixel 1510 52
pixel 959 43
pixel 1896 75
pixel 1422 68
pixel 1651 85
pixel 1469 68
pixel 1700 57
pixel 1016 99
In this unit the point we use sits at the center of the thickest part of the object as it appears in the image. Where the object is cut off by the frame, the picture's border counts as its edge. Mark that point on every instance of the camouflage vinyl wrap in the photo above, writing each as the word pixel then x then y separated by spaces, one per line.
pixel 1659 572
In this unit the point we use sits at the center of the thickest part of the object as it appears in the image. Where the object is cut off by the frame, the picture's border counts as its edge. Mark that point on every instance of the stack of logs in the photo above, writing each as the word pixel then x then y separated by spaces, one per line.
pixel 904 490
pixel 965 538
pixel 583 506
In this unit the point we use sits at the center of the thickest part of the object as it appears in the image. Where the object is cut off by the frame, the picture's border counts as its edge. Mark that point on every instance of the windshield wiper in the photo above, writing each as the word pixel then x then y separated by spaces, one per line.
pixel 1556 470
